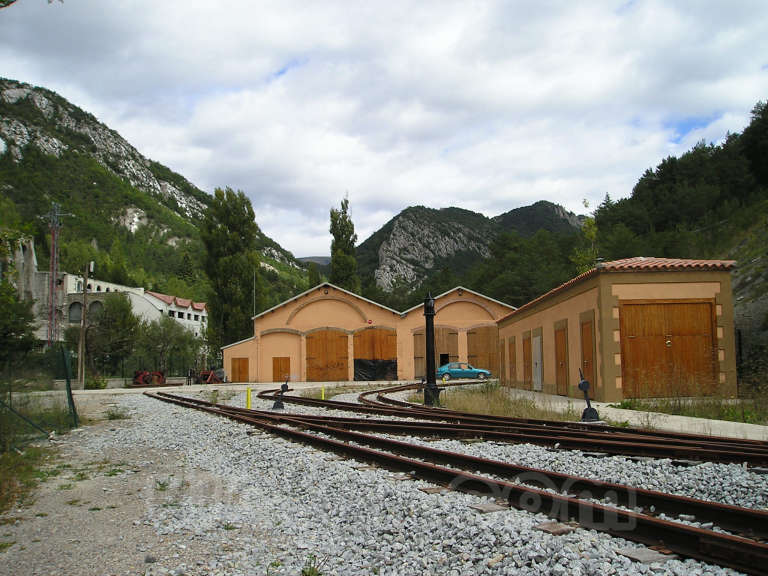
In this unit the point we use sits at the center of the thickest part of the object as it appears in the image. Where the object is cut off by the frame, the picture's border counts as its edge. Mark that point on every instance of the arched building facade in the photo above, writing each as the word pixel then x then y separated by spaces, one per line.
pixel 330 334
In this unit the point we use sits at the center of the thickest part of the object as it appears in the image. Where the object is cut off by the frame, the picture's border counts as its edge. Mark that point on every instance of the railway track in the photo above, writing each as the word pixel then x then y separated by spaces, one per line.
pixel 564 435
pixel 558 495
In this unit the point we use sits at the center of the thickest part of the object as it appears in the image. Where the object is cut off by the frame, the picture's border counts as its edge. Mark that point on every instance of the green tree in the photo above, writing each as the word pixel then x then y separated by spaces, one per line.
pixel 584 255
pixel 111 336
pixel 755 142
pixel 229 232
pixel 164 338
pixel 343 260
pixel 313 274
pixel 17 324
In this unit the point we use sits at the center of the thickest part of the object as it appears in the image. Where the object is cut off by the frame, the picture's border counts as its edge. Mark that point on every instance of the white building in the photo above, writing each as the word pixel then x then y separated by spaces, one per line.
pixel 33 284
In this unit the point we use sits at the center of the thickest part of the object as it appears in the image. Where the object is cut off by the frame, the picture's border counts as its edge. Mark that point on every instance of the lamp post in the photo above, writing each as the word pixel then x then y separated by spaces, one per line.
pixel 83 323
pixel 431 391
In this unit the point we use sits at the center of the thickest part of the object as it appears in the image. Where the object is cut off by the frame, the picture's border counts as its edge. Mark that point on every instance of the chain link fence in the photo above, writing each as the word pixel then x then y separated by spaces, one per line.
pixel 36 397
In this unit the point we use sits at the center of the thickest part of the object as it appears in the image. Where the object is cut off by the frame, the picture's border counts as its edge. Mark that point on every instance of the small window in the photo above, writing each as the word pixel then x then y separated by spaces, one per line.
pixel 107 289
pixel 98 288
pixel 197 317
pixel 171 314
pixel 189 316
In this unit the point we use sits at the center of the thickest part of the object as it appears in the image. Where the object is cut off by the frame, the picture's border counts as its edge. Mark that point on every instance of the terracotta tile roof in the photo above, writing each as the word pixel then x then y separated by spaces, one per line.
pixel 180 302
pixel 664 264
pixel 636 264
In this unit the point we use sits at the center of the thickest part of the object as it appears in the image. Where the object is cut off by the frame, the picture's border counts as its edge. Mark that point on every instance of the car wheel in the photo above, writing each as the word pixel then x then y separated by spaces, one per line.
pixel 482 376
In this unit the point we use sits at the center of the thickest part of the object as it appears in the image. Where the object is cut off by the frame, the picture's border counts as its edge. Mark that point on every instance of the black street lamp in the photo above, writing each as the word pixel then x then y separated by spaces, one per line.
pixel 431 391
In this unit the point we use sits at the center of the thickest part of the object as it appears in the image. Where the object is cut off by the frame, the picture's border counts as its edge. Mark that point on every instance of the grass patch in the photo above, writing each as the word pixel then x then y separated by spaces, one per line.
pixel 229 526
pixel 81 475
pixel 113 472
pixel 751 411
pixel 94 509
pixel 5 545
pixel 67 486
pixel 162 485
pixel 115 413
pixel 73 502
pixel 492 399
pixel 19 475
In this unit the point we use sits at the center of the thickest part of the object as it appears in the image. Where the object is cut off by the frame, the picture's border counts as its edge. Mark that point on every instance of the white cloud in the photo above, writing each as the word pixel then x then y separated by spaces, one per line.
pixel 487 105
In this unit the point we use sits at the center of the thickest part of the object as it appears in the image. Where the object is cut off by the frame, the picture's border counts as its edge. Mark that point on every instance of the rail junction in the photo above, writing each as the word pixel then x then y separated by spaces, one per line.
pixel 727 535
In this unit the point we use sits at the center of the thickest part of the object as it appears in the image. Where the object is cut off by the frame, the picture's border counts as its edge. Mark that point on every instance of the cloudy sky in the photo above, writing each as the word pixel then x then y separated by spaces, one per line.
pixel 483 105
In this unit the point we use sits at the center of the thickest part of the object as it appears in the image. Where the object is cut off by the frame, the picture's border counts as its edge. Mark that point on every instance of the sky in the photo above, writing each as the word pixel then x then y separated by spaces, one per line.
pixel 483 105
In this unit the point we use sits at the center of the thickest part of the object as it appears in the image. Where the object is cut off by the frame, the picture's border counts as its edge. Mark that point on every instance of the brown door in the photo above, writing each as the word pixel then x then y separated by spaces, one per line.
pixel 482 348
pixel 561 359
pixel 512 361
pixel 239 369
pixel 527 363
pixel 588 354
pixel 502 363
pixel 281 368
pixel 667 349
pixel 327 357
pixel 376 344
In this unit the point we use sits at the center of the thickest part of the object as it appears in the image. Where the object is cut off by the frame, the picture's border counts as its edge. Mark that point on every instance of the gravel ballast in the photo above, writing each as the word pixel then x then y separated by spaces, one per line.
pixel 242 502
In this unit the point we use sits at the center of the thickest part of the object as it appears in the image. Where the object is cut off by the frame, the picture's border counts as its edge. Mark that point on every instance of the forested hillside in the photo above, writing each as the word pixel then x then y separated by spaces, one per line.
pixel 137 219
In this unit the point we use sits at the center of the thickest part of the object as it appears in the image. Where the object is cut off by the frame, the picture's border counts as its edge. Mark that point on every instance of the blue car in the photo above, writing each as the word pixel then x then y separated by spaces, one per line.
pixel 461 370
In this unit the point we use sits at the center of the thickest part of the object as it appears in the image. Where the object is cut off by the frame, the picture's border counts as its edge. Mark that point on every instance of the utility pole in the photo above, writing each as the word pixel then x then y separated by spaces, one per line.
pixel 83 324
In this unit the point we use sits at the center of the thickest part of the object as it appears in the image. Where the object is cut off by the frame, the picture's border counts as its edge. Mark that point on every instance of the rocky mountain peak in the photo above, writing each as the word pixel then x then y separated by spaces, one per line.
pixel 32 116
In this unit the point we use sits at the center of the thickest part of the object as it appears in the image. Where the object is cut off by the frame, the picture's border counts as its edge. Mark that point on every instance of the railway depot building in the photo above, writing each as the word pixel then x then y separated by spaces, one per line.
pixel 639 327
pixel 328 334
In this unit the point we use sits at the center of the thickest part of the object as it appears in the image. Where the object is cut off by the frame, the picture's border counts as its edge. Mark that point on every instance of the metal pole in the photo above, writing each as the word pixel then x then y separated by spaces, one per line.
pixel 81 346
pixel 431 391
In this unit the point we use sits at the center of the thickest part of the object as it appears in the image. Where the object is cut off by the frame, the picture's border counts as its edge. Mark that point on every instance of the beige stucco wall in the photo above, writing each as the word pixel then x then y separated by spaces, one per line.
pixel 280 344
pixel 460 312
pixel 282 331
pixel 246 349
pixel 581 299
pixel 603 294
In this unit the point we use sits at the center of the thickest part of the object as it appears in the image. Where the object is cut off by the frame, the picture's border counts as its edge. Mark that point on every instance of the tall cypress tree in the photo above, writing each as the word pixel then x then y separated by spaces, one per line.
pixel 229 232
pixel 343 261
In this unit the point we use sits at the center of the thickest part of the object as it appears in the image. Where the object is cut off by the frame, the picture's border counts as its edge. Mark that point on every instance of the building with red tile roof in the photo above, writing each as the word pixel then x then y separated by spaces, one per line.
pixel 637 327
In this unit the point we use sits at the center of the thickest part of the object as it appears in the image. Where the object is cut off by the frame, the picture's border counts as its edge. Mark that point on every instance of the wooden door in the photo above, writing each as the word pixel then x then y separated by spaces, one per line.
pixel 239 369
pixel 376 344
pixel 588 353
pixel 327 357
pixel 667 349
pixel 512 361
pixel 502 362
pixel 281 368
pixel 561 361
pixel 527 363
pixel 482 348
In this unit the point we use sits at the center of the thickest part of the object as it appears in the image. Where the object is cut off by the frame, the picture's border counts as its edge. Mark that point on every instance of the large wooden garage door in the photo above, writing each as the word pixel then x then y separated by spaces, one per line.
pixel 239 370
pixel 482 348
pixel 327 356
pixel 446 344
pixel 376 354
pixel 667 349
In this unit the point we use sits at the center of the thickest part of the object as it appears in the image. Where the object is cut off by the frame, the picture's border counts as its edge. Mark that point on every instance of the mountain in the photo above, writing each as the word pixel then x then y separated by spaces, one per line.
pixel 135 217
pixel 528 220
pixel 420 242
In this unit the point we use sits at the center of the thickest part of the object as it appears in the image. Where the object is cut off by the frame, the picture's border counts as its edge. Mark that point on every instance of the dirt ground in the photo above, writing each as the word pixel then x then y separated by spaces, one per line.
pixel 92 515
